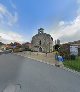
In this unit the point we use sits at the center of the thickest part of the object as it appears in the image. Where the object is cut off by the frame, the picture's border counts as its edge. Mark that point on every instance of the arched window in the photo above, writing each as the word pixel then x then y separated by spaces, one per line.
pixel 40 42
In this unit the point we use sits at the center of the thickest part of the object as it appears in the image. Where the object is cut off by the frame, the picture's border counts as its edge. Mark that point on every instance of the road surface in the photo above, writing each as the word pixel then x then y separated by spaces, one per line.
pixel 28 75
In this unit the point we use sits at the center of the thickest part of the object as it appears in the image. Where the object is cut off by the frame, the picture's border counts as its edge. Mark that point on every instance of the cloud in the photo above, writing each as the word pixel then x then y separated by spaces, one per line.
pixel 6 17
pixel 11 36
pixel 8 20
pixel 67 31
pixel 12 4
pixel 61 23
pixel 78 2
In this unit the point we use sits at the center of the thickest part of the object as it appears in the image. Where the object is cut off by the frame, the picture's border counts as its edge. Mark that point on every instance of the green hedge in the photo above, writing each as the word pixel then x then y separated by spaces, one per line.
pixel 73 64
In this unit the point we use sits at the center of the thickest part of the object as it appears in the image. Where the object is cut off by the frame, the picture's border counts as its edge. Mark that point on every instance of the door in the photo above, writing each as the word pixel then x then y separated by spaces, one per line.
pixel 40 49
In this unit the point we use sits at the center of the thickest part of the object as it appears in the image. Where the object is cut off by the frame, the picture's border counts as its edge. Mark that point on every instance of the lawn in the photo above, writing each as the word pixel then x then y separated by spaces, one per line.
pixel 73 64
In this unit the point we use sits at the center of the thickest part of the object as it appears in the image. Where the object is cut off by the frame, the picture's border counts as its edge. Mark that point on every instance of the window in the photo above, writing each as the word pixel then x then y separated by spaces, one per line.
pixel 40 42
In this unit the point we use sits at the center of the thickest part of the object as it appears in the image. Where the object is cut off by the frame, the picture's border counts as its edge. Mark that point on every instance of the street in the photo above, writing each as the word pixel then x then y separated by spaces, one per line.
pixel 33 76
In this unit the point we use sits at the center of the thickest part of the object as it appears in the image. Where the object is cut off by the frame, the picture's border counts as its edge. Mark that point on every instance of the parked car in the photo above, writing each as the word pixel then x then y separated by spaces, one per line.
pixel 1 52
pixel 6 51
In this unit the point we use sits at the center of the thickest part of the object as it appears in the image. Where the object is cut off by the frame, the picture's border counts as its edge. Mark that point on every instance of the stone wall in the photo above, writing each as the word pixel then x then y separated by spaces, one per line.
pixel 42 42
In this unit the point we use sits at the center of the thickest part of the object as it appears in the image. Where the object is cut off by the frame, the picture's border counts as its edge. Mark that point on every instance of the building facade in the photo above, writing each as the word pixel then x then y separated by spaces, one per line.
pixel 42 42
pixel 57 42
pixel 71 48
pixel 26 45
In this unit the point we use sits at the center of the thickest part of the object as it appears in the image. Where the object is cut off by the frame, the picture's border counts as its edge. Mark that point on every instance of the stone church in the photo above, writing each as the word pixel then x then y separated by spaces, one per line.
pixel 42 42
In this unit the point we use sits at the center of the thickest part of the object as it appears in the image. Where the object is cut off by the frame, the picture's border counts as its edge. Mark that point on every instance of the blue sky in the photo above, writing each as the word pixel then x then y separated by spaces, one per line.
pixel 20 19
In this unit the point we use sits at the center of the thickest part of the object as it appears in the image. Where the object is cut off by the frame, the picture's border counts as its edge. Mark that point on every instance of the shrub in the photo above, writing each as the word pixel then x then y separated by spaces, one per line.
pixel 73 57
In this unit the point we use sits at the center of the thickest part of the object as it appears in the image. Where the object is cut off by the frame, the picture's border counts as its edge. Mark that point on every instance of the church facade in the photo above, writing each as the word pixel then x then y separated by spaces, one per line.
pixel 42 42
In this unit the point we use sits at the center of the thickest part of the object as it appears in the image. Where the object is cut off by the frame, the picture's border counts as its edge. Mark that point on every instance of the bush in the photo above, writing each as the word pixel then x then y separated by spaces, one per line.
pixel 73 57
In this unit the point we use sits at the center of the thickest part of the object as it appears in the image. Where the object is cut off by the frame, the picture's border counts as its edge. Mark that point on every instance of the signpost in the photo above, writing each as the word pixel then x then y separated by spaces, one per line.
pixel 74 50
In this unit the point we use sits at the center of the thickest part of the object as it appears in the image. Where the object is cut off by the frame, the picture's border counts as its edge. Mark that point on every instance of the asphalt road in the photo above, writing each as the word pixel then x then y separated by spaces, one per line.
pixel 32 76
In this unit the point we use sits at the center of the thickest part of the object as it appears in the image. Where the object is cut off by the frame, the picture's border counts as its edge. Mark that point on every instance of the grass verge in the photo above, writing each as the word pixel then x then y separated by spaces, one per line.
pixel 73 64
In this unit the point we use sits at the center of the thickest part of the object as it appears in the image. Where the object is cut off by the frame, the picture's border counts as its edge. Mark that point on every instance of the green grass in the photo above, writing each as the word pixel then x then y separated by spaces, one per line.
pixel 73 64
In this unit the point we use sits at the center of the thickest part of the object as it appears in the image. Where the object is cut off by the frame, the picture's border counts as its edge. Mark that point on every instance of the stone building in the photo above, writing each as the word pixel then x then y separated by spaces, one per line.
pixel 42 42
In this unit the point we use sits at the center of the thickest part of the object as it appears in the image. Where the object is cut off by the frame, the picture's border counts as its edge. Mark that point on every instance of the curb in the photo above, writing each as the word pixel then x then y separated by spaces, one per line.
pixel 64 68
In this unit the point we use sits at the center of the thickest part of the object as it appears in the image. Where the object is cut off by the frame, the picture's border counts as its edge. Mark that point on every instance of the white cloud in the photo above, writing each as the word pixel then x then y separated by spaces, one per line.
pixel 6 17
pixel 11 36
pixel 12 4
pixel 61 23
pixel 67 31
pixel 78 2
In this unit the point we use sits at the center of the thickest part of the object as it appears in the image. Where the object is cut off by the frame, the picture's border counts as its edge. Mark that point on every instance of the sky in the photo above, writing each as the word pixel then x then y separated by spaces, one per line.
pixel 21 19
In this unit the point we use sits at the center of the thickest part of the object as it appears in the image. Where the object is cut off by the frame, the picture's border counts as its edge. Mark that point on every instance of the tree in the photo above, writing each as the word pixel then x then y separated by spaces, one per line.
pixel 57 47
